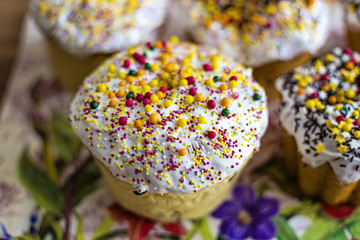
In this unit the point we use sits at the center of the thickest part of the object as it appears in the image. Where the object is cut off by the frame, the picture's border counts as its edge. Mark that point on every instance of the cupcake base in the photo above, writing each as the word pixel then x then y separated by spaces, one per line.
pixel 321 181
pixel 70 69
pixel 268 73
pixel 169 207
pixel 353 39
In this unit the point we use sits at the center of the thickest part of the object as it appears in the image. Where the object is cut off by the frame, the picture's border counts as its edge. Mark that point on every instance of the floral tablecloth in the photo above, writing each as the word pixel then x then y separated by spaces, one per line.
pixel 51 189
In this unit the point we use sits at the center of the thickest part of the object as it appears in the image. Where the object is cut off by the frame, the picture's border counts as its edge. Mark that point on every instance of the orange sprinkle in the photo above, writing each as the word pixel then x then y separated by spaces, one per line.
pixel 138 123
pixel 160 94
pixel 170 67
pixel 199 97
pixel 111 95
pixel 222 79
pixel 225 102
pixel 182 75
pixel 164 57
pixel 325 88
pixel 142 83
pixel 332 99
pixel 223 87
pixel 140 73
pixel 300 91
pixel 158 44
pixel 311 2
pixel 349 65
pixel 121 93
pixel 112 103
pixel 154 118
pixel 122 83
pixel 168 49
pixel 130 79
pixel 182 152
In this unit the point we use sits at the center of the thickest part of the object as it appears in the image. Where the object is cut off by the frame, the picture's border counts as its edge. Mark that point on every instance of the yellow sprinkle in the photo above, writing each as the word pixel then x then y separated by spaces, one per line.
pixel 101 87
pixel 174 40
pixel 189 99
pixel 154 98
pixel 233 84
pixel 168 103
pixel 112 68
pixel 202 120
pixel 181 122
pixel 154 83
pixel 148 108
pixel 183 82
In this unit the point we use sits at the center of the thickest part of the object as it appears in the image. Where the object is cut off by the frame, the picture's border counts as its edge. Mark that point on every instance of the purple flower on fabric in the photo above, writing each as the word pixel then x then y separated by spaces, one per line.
pixel 246 216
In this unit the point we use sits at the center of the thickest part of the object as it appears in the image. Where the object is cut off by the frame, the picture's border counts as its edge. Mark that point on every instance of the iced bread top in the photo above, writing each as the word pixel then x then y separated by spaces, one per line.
pixel 257 32
pixel 99 26
pixel 321 110
pixel 170 117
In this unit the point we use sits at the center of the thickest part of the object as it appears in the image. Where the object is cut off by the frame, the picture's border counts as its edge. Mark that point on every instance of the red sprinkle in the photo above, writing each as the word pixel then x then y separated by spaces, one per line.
pixel 147 101
pixel 207 67
pixel 324 77
pixel 163 89
pixel 314 95
pixel 122 121
pixel 191 80
pixel 136 55
pixel 141 60
pixel 340 118
pixel 129 103
pixel 148 95
pixel 139 97
pixel 192 91
pixel 211 134
pixel 126 63
pixel 211 104
pixel 347 50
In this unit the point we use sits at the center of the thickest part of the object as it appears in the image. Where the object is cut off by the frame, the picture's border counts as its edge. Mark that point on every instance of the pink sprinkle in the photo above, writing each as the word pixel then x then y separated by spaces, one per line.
pixel 192 91
pixel 147 101
pixel 233 78
pixel 356 122
pixel 129 103
pixel 148 95
pixel 191 80
pixel 340 118
pixel 136 55
pixel 207 67
pixel 347 50
pixel 163 89
pixel 211 104
pixel 126 63
pixel 324 77
pixel 314 95
pixel 122 121
pixel 235 95
pixel 211 134
pixel 139 97
pixel 141 60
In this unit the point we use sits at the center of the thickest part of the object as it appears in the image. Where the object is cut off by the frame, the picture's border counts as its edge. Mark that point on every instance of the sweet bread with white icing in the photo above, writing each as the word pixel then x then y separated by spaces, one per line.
pixel 83 33
pixel 171 125
pixel 320 115
pixel 272 36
